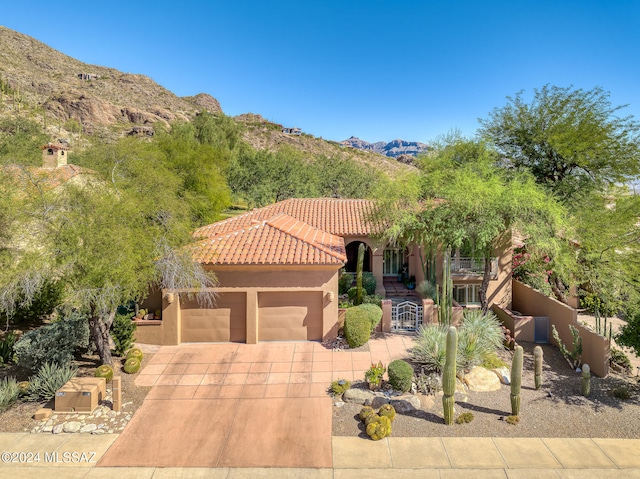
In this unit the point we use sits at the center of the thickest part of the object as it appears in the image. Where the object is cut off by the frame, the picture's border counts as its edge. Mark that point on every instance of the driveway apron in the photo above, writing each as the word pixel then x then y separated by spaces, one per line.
pixel 241 405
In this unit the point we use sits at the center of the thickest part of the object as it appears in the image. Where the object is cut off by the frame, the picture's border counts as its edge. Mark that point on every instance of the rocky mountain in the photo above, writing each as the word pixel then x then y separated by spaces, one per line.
pixel 68 96
pixel 57 88
pixel 393 149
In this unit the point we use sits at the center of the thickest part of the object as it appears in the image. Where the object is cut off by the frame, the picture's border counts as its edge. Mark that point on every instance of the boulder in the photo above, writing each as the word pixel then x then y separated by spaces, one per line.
pixel 71 426
pixel 358 396
pixel 378 401
pixel 406 403
pixel 482 380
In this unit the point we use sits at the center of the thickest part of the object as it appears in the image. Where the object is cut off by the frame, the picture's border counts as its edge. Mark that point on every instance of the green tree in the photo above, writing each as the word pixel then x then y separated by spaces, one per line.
pixel 461 197
pixel 572 140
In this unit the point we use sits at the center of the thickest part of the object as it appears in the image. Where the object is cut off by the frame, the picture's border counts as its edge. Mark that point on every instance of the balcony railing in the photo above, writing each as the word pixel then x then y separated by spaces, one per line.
pixel 461 265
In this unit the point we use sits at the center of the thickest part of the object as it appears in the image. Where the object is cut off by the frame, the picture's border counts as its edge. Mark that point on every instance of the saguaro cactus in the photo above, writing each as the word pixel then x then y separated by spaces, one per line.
pixel 359 268
pixel 586 380
pixel 449 375
pixel 537 363
pixel 516 381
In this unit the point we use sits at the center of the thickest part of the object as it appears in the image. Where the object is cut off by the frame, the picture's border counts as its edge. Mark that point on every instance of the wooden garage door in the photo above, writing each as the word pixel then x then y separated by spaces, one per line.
pixel 225 322
pixel 290 316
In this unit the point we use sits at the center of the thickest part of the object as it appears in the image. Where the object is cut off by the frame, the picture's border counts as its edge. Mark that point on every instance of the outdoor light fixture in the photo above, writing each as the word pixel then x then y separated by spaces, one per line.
pixel 170 297
pixel 330 296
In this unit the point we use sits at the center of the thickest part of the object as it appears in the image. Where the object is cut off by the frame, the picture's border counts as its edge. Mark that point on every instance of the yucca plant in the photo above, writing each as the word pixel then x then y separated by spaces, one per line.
pixel 430 347
pixel 9 392
pixel 48 380
pixel 479 337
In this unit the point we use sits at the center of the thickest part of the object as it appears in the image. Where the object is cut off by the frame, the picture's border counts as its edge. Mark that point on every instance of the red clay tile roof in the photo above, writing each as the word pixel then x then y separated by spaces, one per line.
pixel 279 240
pixel 342 217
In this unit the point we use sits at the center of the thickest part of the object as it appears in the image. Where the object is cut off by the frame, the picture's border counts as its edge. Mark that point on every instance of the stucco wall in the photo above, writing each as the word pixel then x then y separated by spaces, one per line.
pixel 253 280
pixel 595 348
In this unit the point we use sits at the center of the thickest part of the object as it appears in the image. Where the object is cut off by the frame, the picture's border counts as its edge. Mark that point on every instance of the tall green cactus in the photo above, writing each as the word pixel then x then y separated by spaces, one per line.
pixel 359 268
pixel 537 363
pixel 516 381
pixel 586 380
pixel 445 294
pixel 449 375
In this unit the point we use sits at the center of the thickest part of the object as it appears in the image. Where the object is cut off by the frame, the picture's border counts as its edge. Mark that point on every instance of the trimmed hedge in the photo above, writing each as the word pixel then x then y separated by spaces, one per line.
pixel 373 312
pixel 400 375
pixel 357 328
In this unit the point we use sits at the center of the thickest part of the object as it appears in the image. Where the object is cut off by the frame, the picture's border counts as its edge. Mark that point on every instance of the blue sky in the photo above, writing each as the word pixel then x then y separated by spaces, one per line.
pixel 378 70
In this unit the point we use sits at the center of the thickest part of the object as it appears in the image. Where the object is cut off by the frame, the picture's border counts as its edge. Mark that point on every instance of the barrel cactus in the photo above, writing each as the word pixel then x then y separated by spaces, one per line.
pixel 132 365
pixel 365 412
pixel 135 353
pixel 23 387
pixel 372 418
pixel 516 380
pixel 449 375
pixel 586 380
pixel 105 371
pixel 537 364
pixel 387 410
pixel 379 429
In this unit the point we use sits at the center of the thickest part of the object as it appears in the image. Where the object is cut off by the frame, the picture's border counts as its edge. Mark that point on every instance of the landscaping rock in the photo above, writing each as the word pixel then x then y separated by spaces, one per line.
pixel 406 403
pixel 482 380
pixel 338 403
pixel 88 428
pixel 57 429
pixel 358 396
pixel 378 401
pixel 98 431
pixel 504 375
pixel 71 426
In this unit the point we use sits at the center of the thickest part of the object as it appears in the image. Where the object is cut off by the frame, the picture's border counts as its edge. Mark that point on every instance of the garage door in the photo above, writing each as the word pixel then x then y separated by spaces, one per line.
pixel 290 316
pixel 226 322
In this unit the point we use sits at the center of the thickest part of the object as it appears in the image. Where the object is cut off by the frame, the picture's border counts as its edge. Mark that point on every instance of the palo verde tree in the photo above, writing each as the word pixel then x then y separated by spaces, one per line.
pixel 573 141
pixel 105 243
pixel 462 197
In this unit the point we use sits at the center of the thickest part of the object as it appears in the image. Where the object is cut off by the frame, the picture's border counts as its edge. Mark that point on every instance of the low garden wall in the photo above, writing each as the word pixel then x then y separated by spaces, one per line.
pixel 595 348
pixel 521 326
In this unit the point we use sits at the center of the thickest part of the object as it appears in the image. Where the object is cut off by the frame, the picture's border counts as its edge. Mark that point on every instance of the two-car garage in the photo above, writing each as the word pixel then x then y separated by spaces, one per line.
pixel 281 316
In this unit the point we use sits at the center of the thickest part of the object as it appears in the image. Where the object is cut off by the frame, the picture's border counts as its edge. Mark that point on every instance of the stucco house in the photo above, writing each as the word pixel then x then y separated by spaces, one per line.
pixel 278 269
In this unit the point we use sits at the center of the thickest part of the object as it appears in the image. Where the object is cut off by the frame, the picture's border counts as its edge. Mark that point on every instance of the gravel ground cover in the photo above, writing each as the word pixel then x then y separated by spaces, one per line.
pixel 558 409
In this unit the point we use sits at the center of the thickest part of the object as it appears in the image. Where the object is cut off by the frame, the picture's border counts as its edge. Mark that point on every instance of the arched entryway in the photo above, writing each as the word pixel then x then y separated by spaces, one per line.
pixel 352 257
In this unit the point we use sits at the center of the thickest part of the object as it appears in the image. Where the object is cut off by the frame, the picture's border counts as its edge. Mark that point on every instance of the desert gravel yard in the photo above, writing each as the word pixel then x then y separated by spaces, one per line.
pixel 556 410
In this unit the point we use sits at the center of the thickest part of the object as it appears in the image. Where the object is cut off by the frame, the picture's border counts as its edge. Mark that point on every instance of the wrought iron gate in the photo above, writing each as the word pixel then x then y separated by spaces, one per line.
pixel 406 316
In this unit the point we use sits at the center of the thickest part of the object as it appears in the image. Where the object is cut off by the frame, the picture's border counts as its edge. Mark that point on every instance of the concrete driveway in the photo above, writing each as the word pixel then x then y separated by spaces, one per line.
pixel 239 405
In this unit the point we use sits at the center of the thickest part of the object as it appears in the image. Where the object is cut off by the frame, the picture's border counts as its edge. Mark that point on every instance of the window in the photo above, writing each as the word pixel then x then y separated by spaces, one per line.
pixel 465 294
pixel 393 260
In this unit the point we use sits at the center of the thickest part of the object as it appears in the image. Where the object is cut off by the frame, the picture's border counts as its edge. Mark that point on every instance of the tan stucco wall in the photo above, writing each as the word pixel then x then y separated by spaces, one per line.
pixel 253 280
pixel 595 348
pixel 148 332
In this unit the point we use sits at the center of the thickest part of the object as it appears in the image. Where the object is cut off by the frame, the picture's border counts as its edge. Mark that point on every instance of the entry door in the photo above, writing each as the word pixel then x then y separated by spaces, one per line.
pixel 392 261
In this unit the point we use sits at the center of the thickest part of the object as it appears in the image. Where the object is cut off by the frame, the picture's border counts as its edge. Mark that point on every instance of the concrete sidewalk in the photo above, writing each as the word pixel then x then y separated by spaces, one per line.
pixel 397 457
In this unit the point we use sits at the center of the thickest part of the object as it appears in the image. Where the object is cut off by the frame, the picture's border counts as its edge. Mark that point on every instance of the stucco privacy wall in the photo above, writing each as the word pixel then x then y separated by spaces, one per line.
pixel 595 348
pixel 287 290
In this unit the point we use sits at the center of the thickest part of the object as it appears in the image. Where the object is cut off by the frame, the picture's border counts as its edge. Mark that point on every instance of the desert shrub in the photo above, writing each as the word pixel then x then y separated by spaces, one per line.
pixel 104 371
pixel 513 420
pixel 427 290
pixel 132 365
pixel 369 283
pixel 6 347
pixel 621 392
pixel 400 375
pixel 375 373
pixel 478 337
pixel 492 361
pixel 430 347
pixel 352 293
pixel 344 283
pixel 340 386
pixel 464 418
pixel 9 392
pixel 373 312
pixel 49 378
pixel 429 383
pixel 41 307
pixel 619 359
pixel 122 332
pixel 54 343
pixel 373 299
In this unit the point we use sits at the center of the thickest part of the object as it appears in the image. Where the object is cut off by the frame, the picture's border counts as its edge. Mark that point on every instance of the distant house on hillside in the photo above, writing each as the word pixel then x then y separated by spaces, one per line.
pixel 292 131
